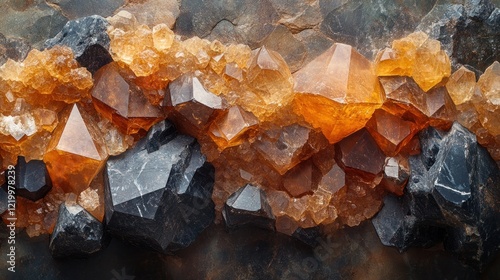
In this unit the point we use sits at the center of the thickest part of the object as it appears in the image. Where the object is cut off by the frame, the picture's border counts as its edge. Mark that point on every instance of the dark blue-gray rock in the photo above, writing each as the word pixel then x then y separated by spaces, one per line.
pixel 13 48
pixel 453 189
pixel 88 39
pixel 75 8
pixel 32 20
pixel 161 198
pixel 469 32
pixel 248 206
pixel 32 179
pixel 77 233
pixel 397 227
pixel 371 25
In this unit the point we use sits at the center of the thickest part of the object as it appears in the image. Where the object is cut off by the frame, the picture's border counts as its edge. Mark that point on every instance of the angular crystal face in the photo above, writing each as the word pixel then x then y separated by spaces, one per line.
pixel 231 127
pixel 337 92
pixel 76 152
pixel 32 179
pixel 159 198
pixel 248 205
pixel 123 103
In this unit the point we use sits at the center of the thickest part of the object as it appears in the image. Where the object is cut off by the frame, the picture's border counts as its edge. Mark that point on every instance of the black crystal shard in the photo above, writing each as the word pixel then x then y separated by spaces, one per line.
pixel 32 179
pixel 77 233
pixel 248 206
pixel 159 199
pixel 453 191
pixel 397 227
pixel 88 39
pixel 160 134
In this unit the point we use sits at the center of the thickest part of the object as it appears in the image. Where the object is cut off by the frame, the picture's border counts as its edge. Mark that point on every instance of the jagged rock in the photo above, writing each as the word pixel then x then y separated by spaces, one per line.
pixel 88 39
pixel 454 188
pixel 469 32
pixel 158 194
pixel 32 179
pixel 77 233
pixel 13 48
pixel 248 206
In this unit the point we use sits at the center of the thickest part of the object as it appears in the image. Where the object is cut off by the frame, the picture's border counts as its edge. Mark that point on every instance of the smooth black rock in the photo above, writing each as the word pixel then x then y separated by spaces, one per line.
pixel 88 39
pixel 248 206
pixel 32 179
pixel 453 190
pixel 159 199
pixel 77 233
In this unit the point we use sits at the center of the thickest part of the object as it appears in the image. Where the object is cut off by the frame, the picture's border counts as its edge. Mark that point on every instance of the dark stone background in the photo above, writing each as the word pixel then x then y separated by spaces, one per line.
pixel 299 30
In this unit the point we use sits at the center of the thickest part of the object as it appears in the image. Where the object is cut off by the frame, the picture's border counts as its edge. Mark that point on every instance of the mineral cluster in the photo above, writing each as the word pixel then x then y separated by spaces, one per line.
pixel 247 141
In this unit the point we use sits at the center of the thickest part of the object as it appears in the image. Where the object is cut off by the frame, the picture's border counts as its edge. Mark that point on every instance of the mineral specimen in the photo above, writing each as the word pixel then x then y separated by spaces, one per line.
pixel 451 196
pixel 77 233
pixel 159 198
pixel 32 179
pixel 249 206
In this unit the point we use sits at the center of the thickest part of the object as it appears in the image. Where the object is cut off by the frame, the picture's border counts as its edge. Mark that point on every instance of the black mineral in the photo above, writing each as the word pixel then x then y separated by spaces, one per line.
pixel 248 206
pixel 32 179
pixel 88 39
pixel 158 194
pixel 452 196
pixel 77 233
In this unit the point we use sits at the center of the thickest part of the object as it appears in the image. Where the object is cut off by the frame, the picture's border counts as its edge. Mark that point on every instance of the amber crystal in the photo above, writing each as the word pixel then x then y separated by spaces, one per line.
pixel 76 152
pixel 337 92
pixel 416 56
pixel 123 103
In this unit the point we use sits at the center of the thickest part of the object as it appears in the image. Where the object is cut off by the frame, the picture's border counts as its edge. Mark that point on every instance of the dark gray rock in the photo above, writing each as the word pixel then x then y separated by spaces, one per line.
pixel 468 31
pixel 33 20
pixel 88 39
pixel 32 179
pixel 77 233
pixel 13 48
pixel 246 21
pixel 248 206
pixel 453 191
pixel 3 199
pixel 75 8
pixel 371 25
pixel 309 236
pixel 161 198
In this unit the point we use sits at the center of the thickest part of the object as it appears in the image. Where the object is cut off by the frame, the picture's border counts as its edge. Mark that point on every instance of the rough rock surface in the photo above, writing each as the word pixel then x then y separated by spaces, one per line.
pixel 14 48
pixel 88 39
pixel 453 192
pixel 77 233
pixel 73 9
pixel 158 194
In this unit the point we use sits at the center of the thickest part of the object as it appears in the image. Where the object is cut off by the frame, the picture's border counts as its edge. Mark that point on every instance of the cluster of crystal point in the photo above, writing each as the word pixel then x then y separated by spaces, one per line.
pixel 323 144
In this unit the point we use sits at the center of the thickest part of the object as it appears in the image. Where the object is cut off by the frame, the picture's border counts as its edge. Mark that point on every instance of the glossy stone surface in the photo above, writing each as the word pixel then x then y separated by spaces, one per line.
pixel 77 233
pixel 451 189
pixel 32 179
pixel 248 206
pixel 88 40
pixel 163 200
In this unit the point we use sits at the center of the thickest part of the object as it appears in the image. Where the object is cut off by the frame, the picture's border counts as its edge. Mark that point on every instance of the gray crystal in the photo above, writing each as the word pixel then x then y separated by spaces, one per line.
pixel 248 206
pixel 453 191
pixel 88 39
pixel 32 179
pixel 159 199
pixel 77 233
